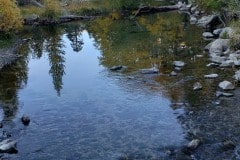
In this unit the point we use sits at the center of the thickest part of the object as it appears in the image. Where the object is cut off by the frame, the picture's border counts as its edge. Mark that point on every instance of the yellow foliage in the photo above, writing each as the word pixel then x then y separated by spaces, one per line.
pixel 10 17
pixel 52 9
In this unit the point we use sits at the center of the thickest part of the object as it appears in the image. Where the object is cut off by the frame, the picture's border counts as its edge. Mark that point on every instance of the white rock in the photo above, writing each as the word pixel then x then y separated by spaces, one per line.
pixel 194 144
pixel 197 86
pixel 173 73
pixel 7 145
pixel 193 20
pixel 217 31
pixel 207 35
pixel 211 75
pixel 212 65
pixel 179 63
pixel 226 85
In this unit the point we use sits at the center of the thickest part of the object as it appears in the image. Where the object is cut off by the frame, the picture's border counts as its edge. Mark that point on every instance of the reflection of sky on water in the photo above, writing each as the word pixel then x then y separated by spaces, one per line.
pixel 96 116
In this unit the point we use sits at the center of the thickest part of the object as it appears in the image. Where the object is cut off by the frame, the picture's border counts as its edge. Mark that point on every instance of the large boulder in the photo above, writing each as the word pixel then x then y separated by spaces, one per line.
pixel 209 21
pixel 219 46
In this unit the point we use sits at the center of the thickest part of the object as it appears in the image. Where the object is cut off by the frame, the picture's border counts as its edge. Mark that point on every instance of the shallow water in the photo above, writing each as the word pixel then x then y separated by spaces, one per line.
pixel 98 114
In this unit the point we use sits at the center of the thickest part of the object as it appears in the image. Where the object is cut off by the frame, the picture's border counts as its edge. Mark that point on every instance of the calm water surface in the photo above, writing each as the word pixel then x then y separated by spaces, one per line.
pixel 98 114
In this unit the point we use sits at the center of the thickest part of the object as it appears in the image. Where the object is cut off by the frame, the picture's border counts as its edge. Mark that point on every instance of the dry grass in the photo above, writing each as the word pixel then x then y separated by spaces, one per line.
pixel 29 10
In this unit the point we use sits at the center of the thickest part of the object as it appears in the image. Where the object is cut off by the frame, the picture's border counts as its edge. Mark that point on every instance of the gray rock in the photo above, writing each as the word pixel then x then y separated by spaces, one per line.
pixel 234 56
pixel 116 68
pixel 193 144
pixel 178 68
pixel 25 120
pixel 218 59
pixel 226 32
pixel 173 73
pixel 237 63
pixel 193 20
pixel 179 64
pixel 212 65
pixel 226 85
pixel 8 146
pixel 217 31
pixel 237 75
pixel 228 145
pixel 225 94
pixel 208 46
pixel 211 75
pixel 219 46
pixel 227 63
pixel 205 21
pixel 152 70
pixel 193 9
pixel 199 55
pixel 207 35
pixel 197 86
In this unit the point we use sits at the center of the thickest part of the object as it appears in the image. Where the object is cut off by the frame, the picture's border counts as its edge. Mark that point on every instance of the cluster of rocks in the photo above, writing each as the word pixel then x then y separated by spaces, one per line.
pixel 8 145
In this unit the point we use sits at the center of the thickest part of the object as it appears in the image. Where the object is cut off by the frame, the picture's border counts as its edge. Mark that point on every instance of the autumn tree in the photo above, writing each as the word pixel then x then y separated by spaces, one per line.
pixel 10 17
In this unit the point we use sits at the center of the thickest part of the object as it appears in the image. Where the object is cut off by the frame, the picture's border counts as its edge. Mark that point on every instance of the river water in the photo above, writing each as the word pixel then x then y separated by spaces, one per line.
pixel 79 108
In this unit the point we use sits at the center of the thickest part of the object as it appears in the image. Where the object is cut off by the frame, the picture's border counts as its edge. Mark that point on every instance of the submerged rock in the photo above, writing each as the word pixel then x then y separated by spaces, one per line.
pixel 116 68
pixel 152 70
pixel 178 63
pixel 8 146
pixel 226 85
pixel 197 86
pixel 25 120
pixel 228 145
pixel 211 75
pixel 193 144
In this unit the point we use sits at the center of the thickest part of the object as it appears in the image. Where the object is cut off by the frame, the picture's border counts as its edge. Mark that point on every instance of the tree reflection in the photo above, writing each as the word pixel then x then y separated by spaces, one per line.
pixel 12 78
pixel 54 45
pixel 74 34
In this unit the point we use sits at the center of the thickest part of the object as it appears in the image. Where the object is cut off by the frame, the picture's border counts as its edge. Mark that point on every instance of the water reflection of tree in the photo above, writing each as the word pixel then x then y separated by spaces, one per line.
pixel 74 34
pixel 54 45
pixel 140 43
pixel 37 42
pixel 12 78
